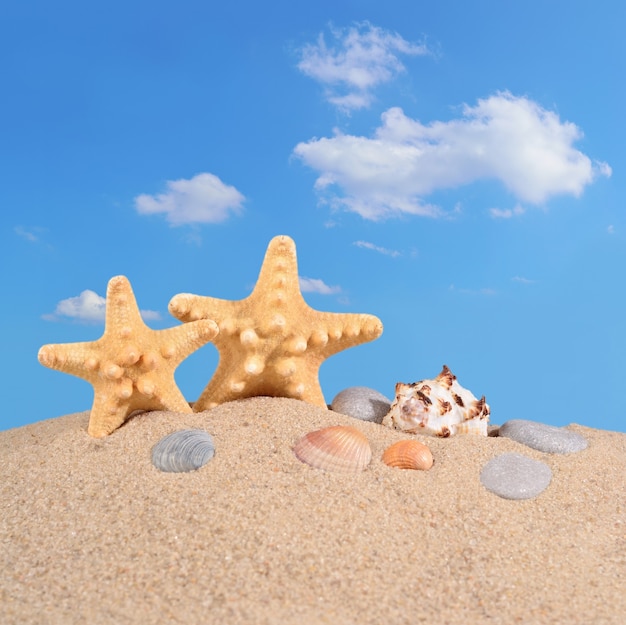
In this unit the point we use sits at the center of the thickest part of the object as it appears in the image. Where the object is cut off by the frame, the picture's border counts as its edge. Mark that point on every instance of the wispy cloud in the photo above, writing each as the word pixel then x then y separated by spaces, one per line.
pixel 523 280
pixel 486 291
pixel 376 248
pixel 88 307
pixel 201 199
pixel 509 139
pixel 315 285
pixel 507 213
pixel 611 229
pixel 358 59
pixel 32 235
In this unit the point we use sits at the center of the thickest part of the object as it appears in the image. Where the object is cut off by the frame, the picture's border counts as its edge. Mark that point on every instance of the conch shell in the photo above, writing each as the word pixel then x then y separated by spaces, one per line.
pixel 439 407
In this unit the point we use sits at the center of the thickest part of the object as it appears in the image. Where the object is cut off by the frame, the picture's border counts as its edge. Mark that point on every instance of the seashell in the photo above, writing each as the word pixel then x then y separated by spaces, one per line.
pixel 185 450
pixel 339 448
pixel 439 407
pixel 409 454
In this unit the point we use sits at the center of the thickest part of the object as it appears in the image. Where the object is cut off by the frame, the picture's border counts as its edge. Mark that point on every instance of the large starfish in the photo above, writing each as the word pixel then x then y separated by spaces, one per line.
pixel 131 367
pixel 272 343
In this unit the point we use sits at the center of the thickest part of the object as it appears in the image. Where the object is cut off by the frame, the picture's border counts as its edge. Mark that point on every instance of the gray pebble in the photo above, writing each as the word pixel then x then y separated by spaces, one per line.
pixel 543 437
pixel 513 476
pixel 362 403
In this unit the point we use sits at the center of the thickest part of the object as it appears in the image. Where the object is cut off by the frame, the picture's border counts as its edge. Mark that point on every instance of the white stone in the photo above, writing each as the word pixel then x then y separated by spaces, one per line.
pixel 513 476
pixel 362 403
pixel 542 437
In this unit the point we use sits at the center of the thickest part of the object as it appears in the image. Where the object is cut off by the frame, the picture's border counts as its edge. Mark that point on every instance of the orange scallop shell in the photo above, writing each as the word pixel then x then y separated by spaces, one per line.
pixel 408 454
pixel 339 448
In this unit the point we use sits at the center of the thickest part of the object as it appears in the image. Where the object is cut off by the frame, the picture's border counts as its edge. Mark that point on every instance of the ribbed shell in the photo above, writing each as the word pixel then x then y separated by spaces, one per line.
pixel 408 454
pixel 338 448
pixel 185 450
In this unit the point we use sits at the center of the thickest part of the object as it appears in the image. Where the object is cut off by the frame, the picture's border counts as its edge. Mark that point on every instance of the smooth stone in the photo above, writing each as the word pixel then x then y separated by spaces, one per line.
pixel 513 476
pixel 362 403
pixel 543 437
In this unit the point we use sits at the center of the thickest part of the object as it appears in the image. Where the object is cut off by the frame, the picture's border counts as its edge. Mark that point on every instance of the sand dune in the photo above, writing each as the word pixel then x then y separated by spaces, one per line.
pixel 92 533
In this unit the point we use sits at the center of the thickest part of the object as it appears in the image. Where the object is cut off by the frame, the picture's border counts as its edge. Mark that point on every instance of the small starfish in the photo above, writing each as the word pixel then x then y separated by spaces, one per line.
pixel 272 343
pixel 131 367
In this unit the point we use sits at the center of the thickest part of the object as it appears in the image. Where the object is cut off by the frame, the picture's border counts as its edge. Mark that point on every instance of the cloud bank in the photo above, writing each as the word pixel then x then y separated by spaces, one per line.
pixel 509 139
pixel 201 199
pixel 359 59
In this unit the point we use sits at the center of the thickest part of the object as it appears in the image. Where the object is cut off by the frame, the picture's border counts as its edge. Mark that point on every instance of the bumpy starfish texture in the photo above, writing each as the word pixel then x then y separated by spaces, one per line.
pixel 131 367
pixel 272 343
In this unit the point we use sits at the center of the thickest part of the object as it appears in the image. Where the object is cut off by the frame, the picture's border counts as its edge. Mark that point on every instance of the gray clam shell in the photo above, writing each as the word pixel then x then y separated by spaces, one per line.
pixel 185 450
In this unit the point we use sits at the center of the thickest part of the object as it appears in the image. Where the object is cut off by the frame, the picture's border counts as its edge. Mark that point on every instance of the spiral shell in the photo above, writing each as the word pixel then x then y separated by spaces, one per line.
pixel 339 448
pixel 408 454
pixel 185 450
pixel 438 407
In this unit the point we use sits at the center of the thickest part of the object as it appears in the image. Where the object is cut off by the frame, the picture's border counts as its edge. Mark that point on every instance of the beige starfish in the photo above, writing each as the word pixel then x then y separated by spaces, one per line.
pixel 272 343
pixel 131 367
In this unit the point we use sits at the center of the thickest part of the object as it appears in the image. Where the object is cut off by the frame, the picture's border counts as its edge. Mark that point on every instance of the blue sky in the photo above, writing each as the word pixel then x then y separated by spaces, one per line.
pixel 455 168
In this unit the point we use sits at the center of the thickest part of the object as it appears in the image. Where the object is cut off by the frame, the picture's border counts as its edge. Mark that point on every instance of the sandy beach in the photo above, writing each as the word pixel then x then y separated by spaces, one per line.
pixel 92 533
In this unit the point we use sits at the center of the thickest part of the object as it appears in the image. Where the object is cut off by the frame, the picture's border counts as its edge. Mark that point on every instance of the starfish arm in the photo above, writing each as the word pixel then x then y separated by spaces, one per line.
pixel 177 343
pixel 296 378
pixel 122 311
pixel 347 330
pixel 79 359
pixel 223 386
pixel 115 402
pixel 188 307
pixel 107 414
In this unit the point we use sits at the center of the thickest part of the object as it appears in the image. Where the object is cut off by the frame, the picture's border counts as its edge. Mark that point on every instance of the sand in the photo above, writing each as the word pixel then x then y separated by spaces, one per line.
pixel 91 532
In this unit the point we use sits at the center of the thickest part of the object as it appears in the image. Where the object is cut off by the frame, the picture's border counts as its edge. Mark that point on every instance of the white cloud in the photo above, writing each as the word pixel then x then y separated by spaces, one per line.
pixel 362 57
pixel 505 138
pixel 88 307
pixel 376 248
pixel 507 213
pixel 523 280
pixel 611 229
pixel 315 285
pixel 201 199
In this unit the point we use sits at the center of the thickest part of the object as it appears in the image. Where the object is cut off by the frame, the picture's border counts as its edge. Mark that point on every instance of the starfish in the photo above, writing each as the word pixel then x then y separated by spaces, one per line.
pixel 131 367
pixel 272 343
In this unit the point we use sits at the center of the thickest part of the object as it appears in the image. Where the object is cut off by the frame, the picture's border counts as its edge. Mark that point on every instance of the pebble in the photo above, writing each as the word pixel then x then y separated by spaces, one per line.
pixel 547 438
pixel 362 403
pixel 513 476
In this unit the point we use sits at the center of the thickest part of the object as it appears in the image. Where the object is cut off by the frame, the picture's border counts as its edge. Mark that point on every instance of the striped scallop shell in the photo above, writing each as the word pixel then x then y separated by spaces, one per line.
pixel 185 450
pixel 339 448
pixel 408 454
